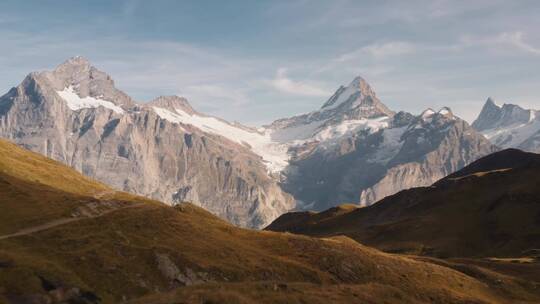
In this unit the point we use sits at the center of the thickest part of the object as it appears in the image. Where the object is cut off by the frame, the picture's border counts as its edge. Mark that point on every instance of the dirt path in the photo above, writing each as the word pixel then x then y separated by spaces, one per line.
pixel 101 194
pixel 61 221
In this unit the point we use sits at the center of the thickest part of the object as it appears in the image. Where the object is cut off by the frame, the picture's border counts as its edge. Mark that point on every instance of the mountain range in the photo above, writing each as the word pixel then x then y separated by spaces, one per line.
pixel 353 149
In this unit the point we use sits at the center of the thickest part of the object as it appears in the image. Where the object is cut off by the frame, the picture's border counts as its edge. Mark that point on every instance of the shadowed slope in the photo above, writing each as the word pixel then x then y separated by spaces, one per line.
pixel 489 208
pixel 124 247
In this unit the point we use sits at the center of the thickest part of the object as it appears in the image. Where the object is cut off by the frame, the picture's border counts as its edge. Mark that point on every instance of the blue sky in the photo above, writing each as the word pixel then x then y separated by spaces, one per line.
pixel 255 61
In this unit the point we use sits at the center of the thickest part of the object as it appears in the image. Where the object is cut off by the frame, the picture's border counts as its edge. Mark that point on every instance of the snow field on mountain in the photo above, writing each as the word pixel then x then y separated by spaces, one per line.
pixel 273 153
pixel 75 102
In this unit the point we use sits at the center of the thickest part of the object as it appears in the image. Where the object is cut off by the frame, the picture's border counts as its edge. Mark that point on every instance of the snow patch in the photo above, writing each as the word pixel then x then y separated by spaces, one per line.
pixel 390 145
pixel 299 132
pixel 532 115
pixel 512 135
pixel 348 127
pixel 75 102
pixel 273 153
pixel 344 96
pixel 445 111
pixel 427 114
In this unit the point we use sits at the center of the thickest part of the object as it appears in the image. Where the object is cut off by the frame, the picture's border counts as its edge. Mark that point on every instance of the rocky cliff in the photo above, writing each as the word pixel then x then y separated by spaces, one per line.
pixel 355 150
pixel 75 115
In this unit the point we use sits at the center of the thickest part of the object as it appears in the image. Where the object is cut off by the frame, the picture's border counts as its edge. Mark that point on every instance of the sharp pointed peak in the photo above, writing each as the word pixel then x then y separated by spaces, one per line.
pixel 358 80
pixel 357 96
pixel 493 115
pixel 491 102
pixel 360 84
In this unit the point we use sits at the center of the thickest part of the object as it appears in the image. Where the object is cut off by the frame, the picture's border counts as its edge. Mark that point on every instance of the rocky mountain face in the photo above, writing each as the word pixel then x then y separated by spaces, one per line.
pixel 354 149
pixel 509 126
pixel 160 149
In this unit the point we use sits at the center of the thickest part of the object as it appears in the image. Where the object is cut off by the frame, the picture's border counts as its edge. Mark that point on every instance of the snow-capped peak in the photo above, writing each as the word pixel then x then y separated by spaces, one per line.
pixel 446 112
pixel 358 87
pixel 361 85
pixel 355 101
pixel 273 154
pixel 491 102
pixel 489 115
pixel 427 113
pixel 77 76
pixel 509 125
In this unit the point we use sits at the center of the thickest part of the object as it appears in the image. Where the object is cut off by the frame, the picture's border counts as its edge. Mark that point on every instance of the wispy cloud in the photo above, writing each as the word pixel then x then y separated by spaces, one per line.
pixel 514 40
pixel 379 50
pixel 517 40
pixel 369 57
pixel 284 84
pixel 403 48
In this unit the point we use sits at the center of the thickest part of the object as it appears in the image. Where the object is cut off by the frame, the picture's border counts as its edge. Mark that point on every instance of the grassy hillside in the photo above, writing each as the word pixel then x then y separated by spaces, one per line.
pixel 490 208
pixel 117 247
pixel 35 190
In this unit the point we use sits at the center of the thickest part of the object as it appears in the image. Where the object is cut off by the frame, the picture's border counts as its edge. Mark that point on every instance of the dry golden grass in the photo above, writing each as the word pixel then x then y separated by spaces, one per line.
pixel 31 167
pixel 114 256
pixel 116 253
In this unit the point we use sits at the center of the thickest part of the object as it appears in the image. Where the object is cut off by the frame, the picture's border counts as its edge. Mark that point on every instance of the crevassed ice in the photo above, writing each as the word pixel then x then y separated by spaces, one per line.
pixel 272 145
pixel 390 145
pixel 75 102
pixel 274 154
pixel 348 127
